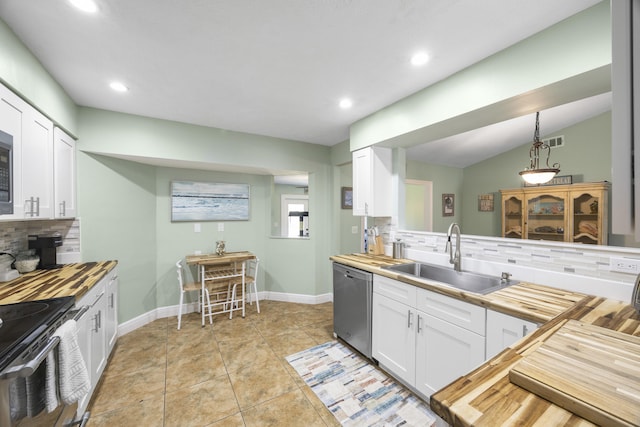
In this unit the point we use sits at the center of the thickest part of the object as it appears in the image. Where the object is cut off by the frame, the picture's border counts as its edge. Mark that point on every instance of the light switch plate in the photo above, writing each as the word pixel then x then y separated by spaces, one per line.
pixel 196 227
pixel 221 226
pixel 354 229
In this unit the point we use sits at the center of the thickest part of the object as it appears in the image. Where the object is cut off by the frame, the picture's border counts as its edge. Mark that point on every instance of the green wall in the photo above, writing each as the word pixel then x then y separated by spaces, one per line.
pixel 489 90
pixel 445 180
pixel 22 72
pixel 586 156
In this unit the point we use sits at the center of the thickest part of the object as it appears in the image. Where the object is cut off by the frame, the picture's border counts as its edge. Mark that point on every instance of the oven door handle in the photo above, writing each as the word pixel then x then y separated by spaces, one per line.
pixel 27 369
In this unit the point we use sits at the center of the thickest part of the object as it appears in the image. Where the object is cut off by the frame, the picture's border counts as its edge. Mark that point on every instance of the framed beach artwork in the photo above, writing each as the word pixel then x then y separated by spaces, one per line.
pixel 206 201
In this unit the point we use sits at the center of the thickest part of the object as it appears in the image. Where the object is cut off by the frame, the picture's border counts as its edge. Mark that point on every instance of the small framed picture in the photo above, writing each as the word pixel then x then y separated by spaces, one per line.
pixel 347 198
pixel 448 204
pixel 485 202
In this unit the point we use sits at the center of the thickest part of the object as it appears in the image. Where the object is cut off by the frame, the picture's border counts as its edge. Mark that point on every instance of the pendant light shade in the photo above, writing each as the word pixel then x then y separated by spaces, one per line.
pixel 534 174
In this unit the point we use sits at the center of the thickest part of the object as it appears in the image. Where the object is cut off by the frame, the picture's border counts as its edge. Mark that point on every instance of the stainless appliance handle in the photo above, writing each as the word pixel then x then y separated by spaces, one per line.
pixel 27 369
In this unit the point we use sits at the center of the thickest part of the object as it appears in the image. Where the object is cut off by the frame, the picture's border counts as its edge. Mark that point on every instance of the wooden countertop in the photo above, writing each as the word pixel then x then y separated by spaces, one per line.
pixel 69 280
pixel 485 396
pixel 528 301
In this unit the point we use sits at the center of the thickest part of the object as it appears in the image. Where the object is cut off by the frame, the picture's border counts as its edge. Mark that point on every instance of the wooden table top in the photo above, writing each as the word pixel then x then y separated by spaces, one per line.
pixel 214 259
pixel 69 280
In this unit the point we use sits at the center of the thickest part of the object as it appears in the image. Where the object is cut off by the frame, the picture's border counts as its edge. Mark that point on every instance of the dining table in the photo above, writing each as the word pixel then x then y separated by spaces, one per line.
pixel 229 268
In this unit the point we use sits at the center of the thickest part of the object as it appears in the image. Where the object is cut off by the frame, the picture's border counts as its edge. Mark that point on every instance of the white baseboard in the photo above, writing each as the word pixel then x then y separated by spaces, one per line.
pixel 172 310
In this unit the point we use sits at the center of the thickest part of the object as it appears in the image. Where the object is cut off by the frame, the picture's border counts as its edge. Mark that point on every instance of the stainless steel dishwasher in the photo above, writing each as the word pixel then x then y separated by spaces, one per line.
pixel 352 295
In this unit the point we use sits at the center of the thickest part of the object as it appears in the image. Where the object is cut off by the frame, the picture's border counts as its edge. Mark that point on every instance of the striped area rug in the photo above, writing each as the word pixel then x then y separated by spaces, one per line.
pixel 355 391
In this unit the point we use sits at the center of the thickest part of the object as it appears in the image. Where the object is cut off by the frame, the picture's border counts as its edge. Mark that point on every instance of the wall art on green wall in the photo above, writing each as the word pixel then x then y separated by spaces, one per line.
pixel 206 201
pixel 448 205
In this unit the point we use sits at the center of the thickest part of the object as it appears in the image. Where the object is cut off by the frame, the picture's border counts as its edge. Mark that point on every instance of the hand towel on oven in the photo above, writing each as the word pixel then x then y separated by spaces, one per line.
pixel 51 386
pixel 73 377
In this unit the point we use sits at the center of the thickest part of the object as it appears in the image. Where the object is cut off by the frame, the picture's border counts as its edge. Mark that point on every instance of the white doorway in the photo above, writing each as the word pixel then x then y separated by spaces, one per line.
pixel 294 225
pixel 418 210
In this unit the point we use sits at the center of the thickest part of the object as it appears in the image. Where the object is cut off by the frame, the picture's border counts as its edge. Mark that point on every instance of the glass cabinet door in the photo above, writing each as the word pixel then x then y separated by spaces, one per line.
pixel 586 220
pixel 512 218
pixel 545 218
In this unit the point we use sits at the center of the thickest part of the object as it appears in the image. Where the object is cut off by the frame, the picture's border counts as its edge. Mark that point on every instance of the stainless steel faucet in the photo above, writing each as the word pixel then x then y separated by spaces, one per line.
pixel 454 258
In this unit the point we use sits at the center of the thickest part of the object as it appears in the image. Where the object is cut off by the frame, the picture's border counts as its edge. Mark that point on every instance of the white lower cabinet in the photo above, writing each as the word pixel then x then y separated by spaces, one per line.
pixel 95 344
pixel 444 352
pixel 394 337
pixel 423 338
pixel 504 330
pixel 111 316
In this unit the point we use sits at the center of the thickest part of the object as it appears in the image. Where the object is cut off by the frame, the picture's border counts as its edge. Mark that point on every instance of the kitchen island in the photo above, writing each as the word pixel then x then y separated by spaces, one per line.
pixel 485 396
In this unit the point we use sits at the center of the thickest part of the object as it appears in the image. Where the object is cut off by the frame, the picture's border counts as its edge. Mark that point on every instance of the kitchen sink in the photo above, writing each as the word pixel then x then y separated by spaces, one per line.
pixel 463 280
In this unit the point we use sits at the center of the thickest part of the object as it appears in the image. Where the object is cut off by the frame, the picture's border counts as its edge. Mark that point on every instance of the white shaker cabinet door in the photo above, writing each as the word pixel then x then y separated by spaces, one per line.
pixel 111 316
pixel 64 170
pixel 394 339
pixel 444 352
pixel 504 330
pixel 37 166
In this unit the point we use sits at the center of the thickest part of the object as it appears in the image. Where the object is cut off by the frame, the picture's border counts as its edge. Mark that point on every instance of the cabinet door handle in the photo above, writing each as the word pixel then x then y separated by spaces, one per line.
pixel 37 206
pixel 63 208
pixel 95 323
pixel 525 331
pixel 99 319
pixel 419 318
pixel 111 297
pixel 409 316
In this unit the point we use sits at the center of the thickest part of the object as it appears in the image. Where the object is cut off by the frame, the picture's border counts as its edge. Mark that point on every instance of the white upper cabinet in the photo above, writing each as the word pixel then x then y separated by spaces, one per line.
pixel 64 175
pixel 44 162
pixel 37 165
pixel 12 111
pixel 372 182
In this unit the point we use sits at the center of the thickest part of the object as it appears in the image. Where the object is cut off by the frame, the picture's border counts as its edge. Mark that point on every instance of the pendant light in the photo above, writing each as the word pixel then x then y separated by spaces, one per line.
pixel 533 174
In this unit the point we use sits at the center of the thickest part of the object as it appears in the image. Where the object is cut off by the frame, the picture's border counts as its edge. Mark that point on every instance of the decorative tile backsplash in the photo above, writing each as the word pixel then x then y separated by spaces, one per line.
pixel 13 234
pixel 584 268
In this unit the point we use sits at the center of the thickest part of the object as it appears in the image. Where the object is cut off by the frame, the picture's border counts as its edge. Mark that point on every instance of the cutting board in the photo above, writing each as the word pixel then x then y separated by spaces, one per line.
pixel 591 371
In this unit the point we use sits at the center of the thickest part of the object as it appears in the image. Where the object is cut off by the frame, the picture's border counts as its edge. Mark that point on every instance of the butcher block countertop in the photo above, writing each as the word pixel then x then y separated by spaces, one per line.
pixel 527 301
pixel 485 396
pixel 69 280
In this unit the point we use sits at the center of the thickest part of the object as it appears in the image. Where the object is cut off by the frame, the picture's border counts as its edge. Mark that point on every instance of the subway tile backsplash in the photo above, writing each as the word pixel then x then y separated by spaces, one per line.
pixel 548 262
pixel 13 234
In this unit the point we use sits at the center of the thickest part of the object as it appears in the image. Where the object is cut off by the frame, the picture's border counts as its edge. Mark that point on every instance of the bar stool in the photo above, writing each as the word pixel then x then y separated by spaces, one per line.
pixel 190 287
pixel 251 279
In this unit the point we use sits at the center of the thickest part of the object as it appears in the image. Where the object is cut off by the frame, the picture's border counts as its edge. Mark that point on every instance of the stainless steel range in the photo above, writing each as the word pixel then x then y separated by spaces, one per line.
pixel 26 331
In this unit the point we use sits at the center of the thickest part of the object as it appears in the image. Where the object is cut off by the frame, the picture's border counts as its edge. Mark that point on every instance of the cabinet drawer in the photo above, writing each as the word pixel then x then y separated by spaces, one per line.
pixel 395 290
pixel 468 316
pixel 93 295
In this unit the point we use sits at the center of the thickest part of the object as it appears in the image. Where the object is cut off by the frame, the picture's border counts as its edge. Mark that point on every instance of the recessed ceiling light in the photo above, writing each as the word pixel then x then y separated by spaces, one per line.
pixel 419 58
pixel 118 87
pixel 345 103
pixel 88 6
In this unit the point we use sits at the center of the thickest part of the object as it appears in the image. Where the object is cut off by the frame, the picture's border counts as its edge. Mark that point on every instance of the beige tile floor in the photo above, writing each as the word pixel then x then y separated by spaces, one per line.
pixel 231 373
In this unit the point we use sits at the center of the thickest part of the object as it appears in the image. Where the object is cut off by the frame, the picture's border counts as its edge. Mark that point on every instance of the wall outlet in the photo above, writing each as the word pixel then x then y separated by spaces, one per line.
pixel 196 227
pixel 625 265
pixel 221 226
pixel 198 252
pixel 354 229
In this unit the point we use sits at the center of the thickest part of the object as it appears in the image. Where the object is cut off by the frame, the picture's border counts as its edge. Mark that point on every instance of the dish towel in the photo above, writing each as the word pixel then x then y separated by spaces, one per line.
pixel 73 377
pixel 51 384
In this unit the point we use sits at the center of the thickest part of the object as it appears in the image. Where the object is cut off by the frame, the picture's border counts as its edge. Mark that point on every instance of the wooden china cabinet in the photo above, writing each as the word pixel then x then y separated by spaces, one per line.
pixel 574 213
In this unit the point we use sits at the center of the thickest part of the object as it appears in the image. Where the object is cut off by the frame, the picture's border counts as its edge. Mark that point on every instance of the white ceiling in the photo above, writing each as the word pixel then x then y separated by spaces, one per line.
pixel 272 67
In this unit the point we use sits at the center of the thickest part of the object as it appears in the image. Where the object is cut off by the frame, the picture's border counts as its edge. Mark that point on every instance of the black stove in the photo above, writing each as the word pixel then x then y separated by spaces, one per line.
pixel 22 324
